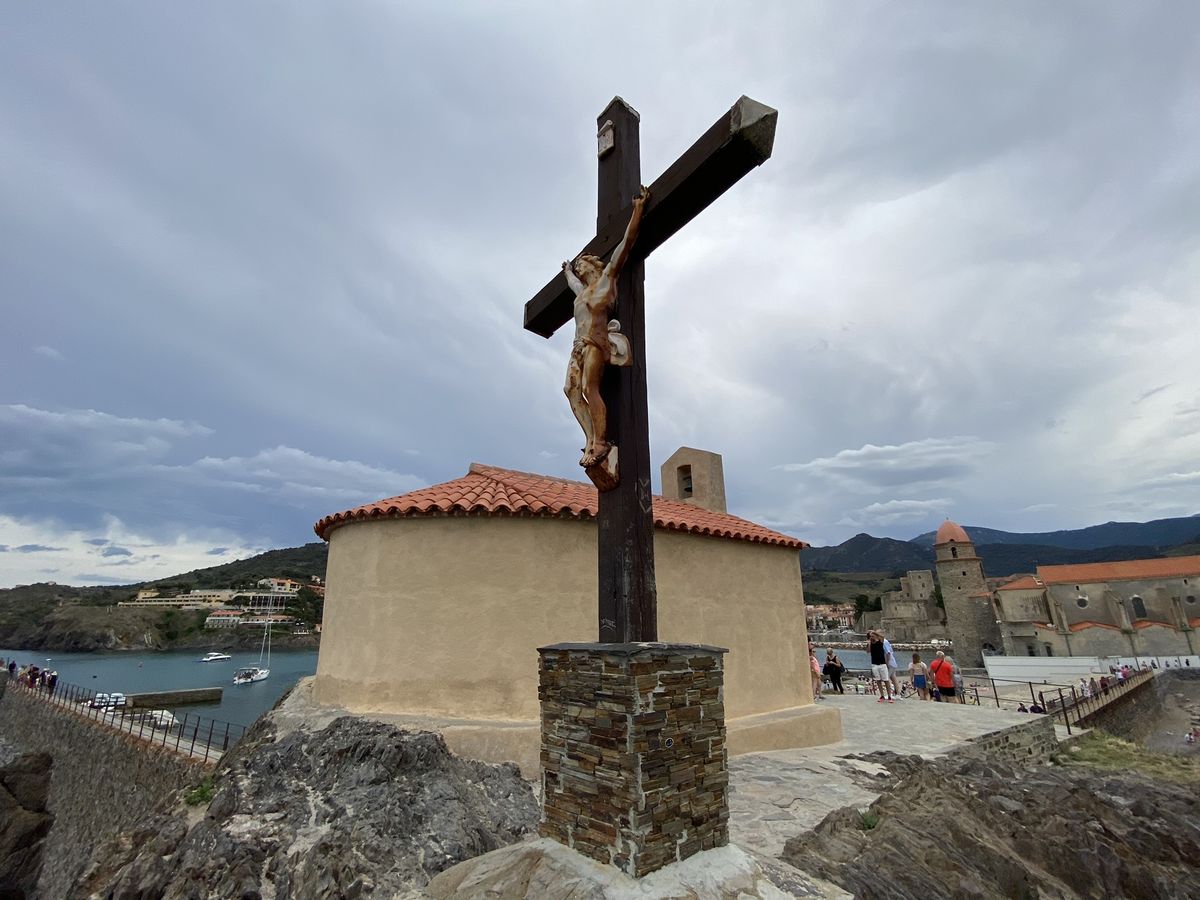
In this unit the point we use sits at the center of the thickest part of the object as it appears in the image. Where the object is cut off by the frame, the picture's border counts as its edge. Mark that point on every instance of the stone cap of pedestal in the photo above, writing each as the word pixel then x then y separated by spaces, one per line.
pixel 633 649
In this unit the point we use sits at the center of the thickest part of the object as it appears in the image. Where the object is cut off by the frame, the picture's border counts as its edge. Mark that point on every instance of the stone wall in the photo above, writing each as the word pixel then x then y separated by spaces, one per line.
pixel 633 752
pixel 1133 714
pixel 1030 742
pixel 101 782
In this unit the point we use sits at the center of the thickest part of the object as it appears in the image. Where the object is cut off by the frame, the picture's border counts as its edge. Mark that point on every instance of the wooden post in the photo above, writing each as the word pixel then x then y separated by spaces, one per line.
pixel 628 599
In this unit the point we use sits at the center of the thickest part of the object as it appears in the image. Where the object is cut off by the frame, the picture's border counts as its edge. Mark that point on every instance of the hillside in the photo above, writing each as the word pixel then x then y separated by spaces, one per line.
pixel 64 618
pixel 1156 533
pixel 863 553
pixel 293 562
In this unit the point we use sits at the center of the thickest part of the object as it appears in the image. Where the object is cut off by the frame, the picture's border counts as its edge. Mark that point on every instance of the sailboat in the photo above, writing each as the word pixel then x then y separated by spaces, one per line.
pixel 251 674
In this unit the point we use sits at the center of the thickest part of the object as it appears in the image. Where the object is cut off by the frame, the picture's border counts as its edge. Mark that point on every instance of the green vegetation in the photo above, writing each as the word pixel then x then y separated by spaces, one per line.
pixel 1098 750
pixel 868 820
pixel 845 587
pixel 299 563
pixel 307 607
pixel 201 793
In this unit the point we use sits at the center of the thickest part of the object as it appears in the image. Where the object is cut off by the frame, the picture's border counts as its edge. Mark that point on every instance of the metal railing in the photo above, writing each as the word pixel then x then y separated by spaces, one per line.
pixel 195 736
pixel 1065 702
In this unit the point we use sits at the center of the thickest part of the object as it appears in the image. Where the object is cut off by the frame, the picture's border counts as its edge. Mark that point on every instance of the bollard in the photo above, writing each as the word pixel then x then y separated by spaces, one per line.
pixel 995 693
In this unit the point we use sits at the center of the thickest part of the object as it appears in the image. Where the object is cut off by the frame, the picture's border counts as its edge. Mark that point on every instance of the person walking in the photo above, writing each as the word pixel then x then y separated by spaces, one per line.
pixel 920 676
pixel 943 675
pixel 833 670
pixel 879 669
pixel 893 667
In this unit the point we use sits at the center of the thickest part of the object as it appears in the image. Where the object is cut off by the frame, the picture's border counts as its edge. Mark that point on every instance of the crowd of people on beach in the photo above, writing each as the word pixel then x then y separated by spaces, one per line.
pixel 31 675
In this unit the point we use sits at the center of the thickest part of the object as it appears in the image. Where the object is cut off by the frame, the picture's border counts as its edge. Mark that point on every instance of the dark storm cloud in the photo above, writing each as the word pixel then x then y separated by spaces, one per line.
pixel 266 265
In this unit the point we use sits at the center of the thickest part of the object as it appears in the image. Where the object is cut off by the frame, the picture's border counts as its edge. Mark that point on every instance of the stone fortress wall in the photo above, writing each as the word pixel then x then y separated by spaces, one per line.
pixel 101 781
pixel 912 613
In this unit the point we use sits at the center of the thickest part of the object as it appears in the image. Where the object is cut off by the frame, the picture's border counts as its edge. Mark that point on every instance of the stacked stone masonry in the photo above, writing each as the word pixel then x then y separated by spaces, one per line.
pixel 634 763
pixel 1032 742
pixel 101 782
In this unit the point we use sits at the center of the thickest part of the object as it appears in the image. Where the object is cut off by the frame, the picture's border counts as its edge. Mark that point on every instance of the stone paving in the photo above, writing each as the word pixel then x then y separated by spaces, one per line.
pixel 777 795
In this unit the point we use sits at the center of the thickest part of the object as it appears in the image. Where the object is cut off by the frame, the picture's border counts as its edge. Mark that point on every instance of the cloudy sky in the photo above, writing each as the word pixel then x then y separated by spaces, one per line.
pixel 262 262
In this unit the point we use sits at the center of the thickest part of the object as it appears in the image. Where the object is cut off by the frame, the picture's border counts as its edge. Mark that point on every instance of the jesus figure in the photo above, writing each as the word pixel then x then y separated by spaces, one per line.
pixel 598 341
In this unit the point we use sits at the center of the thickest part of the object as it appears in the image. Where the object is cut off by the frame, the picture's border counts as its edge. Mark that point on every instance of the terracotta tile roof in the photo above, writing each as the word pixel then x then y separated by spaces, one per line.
pixel 1131 570
pixel 1024 583
pixel 951 532
pixel 487 490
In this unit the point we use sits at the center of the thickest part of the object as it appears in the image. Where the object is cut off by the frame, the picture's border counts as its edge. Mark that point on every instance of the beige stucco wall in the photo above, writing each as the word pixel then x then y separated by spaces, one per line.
pixel 442 616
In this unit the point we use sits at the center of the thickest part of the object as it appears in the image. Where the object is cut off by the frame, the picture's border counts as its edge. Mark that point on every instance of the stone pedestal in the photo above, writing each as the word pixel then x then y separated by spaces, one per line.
pixel 633 751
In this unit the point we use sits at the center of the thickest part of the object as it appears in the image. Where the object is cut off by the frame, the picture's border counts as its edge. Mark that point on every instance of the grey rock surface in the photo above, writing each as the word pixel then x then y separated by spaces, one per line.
pixel 24 823
pixel 356 809
pixel 973 829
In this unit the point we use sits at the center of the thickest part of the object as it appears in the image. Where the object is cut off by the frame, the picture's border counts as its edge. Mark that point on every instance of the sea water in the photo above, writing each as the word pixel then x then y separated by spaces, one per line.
pixel 136 673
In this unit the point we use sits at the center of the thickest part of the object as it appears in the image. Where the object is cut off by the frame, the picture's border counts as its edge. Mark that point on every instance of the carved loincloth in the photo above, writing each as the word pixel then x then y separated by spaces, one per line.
pixel 614 351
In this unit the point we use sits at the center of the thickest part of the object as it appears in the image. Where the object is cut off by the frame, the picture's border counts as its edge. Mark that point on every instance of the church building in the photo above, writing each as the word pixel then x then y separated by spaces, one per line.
pixel 437 600
pixel 1140 607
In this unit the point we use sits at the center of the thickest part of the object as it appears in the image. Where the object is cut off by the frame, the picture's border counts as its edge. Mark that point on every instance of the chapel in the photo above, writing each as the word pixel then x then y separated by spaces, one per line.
pixel 437 600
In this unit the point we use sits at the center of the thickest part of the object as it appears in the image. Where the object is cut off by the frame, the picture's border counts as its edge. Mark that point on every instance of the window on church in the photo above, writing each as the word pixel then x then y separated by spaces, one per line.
pixel 1139 607
pixel 1049 650
pixel 1031 649
pixel 1191 599
pixel 954 552
pixel 964 573
pixel 684 474
pixel 1081 602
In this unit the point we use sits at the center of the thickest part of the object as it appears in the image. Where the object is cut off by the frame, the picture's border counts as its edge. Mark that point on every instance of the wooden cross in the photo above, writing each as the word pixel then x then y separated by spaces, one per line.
pixel 738 142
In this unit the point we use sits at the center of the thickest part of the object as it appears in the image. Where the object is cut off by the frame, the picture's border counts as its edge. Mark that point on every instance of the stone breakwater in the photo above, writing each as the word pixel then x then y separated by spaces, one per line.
pixel 101 780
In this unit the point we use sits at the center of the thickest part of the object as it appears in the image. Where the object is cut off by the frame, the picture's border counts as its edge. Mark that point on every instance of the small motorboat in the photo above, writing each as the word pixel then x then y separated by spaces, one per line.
pixel 214 656
pixel 250 674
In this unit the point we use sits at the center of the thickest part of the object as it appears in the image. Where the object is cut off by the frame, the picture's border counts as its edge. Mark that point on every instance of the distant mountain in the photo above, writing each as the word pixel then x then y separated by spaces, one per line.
pixel 1158 533
pixel 863 553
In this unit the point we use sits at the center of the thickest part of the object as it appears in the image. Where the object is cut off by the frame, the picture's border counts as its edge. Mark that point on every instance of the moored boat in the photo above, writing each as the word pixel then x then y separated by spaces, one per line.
pixel 214 656
pixel 250 674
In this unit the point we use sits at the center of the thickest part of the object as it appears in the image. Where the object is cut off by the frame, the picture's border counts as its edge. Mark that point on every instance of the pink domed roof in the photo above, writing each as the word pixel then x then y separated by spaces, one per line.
pixel 949 531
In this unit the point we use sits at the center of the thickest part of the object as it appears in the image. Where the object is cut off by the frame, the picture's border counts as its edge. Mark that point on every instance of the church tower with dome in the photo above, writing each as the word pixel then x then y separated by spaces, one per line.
pixel 970 616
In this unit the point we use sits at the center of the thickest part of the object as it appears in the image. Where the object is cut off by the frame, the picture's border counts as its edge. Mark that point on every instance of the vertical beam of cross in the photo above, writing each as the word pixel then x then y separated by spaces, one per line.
pixel 625 524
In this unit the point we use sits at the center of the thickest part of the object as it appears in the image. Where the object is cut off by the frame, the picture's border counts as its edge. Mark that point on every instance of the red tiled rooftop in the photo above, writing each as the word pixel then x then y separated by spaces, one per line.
pixel 1130 570
pixel 488 490
pixel 951 532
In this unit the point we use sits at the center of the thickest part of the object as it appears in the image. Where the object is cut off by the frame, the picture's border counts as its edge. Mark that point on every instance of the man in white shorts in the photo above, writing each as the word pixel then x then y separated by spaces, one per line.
pixel 879 668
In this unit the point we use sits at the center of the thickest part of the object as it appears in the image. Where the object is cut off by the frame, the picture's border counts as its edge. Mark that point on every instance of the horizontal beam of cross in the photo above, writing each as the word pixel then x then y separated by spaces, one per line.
pixel 738 141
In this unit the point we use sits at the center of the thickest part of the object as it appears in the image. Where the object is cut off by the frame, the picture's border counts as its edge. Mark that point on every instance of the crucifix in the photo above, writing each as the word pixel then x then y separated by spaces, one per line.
pixel 630 223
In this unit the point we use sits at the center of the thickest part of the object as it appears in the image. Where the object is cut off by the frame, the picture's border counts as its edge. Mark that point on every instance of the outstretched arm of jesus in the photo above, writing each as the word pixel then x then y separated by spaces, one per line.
pixel 573 281
pixel 621 254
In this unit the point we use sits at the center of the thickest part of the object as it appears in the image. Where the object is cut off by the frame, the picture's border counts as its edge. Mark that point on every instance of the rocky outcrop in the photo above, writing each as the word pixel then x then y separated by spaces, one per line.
pixel 546 870
pixel 974 829
pixel 24 823
pixel 355 809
